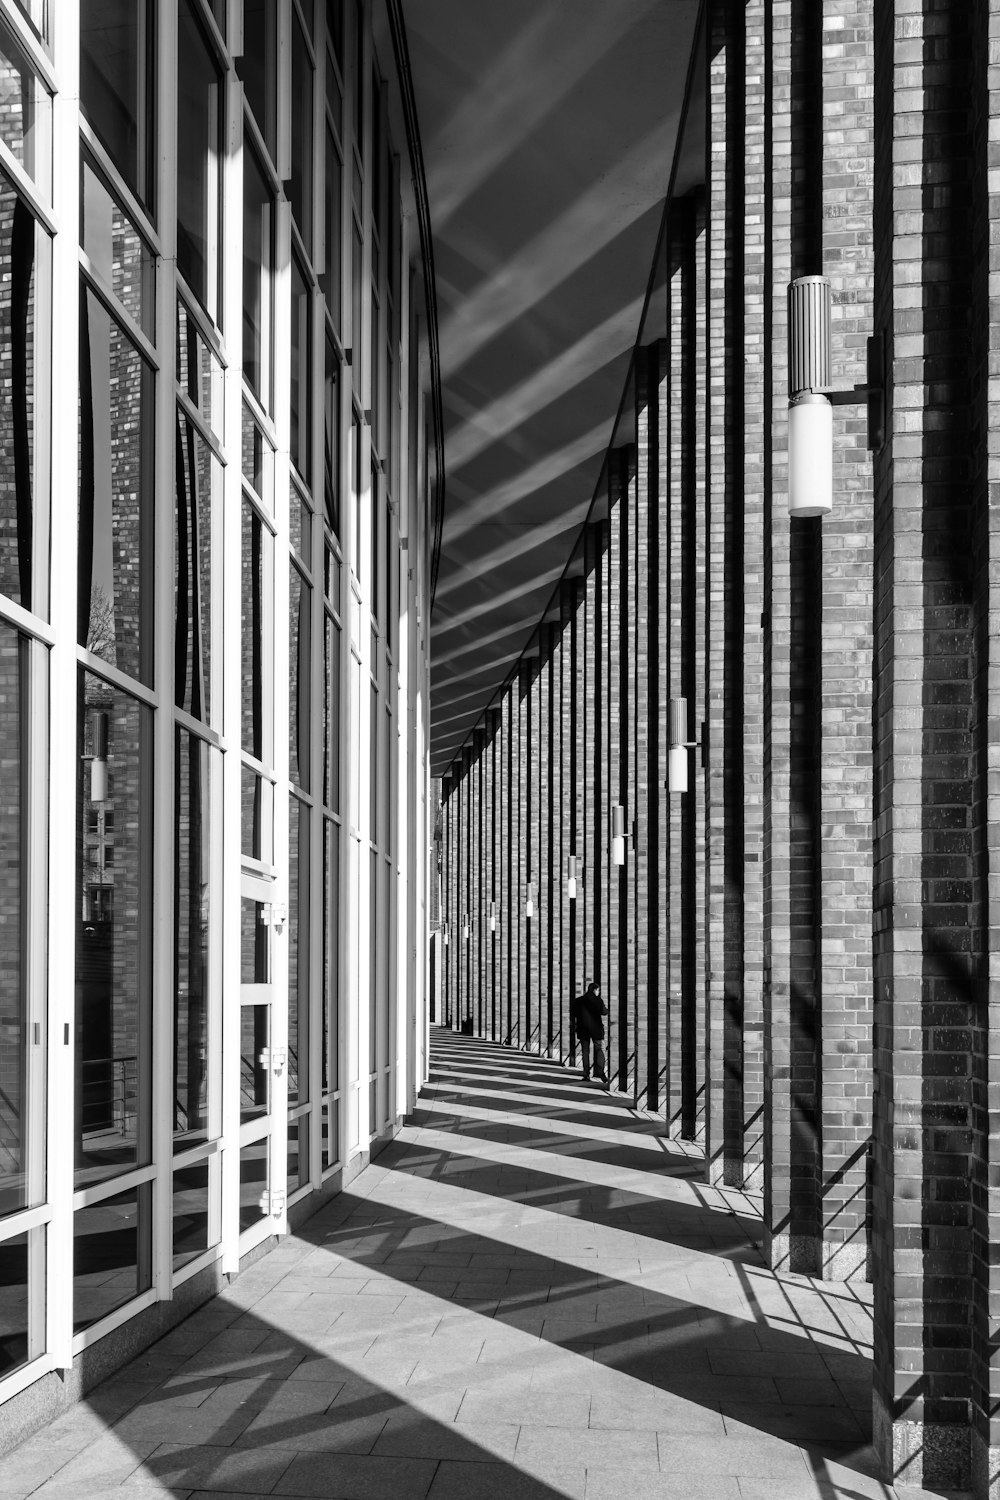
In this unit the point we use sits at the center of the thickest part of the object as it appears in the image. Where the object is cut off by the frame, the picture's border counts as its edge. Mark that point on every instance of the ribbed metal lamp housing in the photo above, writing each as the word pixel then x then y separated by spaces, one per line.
pixel 810 300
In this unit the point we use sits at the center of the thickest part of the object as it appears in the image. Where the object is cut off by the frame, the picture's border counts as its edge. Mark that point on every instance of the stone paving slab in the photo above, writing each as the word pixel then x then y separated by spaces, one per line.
pixel 531 1295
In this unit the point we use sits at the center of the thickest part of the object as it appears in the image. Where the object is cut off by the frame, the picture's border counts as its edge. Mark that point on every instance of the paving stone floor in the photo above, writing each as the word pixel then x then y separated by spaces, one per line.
pixel 529 1295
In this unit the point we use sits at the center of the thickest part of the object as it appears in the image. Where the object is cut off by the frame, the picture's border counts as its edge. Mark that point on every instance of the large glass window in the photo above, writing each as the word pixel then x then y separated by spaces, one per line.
pixel 14 1305
pixel 198 487
pixel 300 604
pixel 117 250
pixel 116 85
pixel 20 1079
pixel 302 134
pixel 298 951
pixel 300 384
pixel 331 438
pixel 260 52
pixel 199 137
pixel 112 1260
pixel 193 1092
pixel 333 188
pixel 116 521
pixel 258 262
pixel 114 931
pixel 258 562
pixel 331 721
pixel 24 510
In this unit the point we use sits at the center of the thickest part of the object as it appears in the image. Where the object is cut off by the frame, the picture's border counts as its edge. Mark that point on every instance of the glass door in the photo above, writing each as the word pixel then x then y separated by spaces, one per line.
pixel 263 1066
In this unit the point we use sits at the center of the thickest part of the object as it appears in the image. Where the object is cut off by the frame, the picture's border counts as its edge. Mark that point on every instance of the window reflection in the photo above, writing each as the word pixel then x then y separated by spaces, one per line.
pixel 19 1085
pixel 199 371
pixel 300 385
pixel 116 85
pixel 253 1182
pixel 333 191
pixel 257 815
pixel 198 492
pixel 24 264
pixel 255 1072
pixel 111 1255
pixel 13 1303
pixel 331 717
pixel 331 438
pixel 257 565
pixel 193 1080
pixel 298 951
pixel 117 249
pixel 331 955
pixel 255 964
pixel 300 596
pixel 258 261
pixel 116 522
pixel 199 136
pixel 193 1232
pixel 114 932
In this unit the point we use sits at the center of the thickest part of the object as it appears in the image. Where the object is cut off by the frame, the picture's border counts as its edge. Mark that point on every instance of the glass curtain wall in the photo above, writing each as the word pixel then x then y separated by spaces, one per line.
pixel 233 500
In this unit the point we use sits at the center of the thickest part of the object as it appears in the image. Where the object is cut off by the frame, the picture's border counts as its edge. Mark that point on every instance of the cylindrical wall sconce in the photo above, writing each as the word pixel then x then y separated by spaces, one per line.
pixel 677 740
pixel 493 916
pixel 465 930
pixel 99 761
pixel 444 930
pixel 529 904
pixel 810 414
pixel 617 835
pixel 571 877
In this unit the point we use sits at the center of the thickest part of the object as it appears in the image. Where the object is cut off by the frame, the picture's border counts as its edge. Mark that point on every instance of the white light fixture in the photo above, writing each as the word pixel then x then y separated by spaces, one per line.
pixel 679 745
pixel 811 398
pixel 493 916
pixel 447 938
pixel 617 835
pixel 465 930
pixel 529 904
pixel 99 760
pixel 571 877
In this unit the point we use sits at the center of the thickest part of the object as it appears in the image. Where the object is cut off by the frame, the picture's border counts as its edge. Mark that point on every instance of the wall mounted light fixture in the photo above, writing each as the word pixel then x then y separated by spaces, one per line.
pixel 679 745
pixel 529 904
pixel 99 760
pixel 811 398
pixel 493 916
pixel 617 835
pixel 571 877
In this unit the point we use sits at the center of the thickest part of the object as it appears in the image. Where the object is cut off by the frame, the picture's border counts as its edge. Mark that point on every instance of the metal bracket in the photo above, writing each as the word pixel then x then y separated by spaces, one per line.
pixel 872 393
pixel 272 1203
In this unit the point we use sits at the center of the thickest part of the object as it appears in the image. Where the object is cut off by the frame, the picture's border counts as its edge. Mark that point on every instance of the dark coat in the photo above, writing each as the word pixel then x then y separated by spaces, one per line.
pixel 588 1010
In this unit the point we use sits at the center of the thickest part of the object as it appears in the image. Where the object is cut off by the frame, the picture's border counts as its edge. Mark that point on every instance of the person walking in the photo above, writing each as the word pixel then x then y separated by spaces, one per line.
pixel 589 1011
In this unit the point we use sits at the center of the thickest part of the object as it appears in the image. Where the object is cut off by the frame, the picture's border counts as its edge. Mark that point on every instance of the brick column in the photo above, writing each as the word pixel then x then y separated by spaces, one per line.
pixel 932 1183
pixel 614 992
pixel 679 394
pixel 645 904
pixel 523 853
pixel 535 997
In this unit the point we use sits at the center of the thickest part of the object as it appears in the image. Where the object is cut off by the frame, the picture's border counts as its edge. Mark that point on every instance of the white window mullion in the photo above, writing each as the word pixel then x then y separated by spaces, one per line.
pixel 277 658
pixel 232 665
pixel 62 914
pixel 163 733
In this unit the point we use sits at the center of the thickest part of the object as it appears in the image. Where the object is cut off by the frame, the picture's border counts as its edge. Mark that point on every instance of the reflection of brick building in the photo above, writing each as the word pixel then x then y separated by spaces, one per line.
pixel 13 1021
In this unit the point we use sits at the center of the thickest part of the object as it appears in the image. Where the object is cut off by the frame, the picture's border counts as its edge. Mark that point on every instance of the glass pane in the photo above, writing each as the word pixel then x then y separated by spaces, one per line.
pixel 257 816
pixel 298 951
pixel 199 136
pixel 331 956
pixel 298 1153
pixel 257 572
pixel 114 937
pixel 373 761
pixel 375 920
pixel 333 188
pixel 118 250
pixel 198 495
pixel 358 495
pixel 300 384
pixel 357 272
pixel 300 526
pixel 331 717
pixel 258 261
pixel 194 1084
pixel 18 1105
pixel 373 569
pixel 116 85
pixel 111 1255
pixel 335 27
pixel 302 134
pixel 13 1303
pixel 23 405
pixel 192 1234
pixel 199 371
pixel 255 1072
pixel 256 457
pixel 331 445
pixel 299 641
pixel 116 494
pixel 37 12
pixel 332 580
pixel 331 1134
pixel 253 1182
pixel 259 64
pixel 255 967
pixel 359 73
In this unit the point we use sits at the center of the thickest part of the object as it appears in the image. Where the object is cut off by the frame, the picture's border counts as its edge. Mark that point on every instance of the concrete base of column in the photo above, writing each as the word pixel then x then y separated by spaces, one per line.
pixel 985 1468
pixel 725 1171
pixel 792 1252
pixel 846 1261
pixel 922 1454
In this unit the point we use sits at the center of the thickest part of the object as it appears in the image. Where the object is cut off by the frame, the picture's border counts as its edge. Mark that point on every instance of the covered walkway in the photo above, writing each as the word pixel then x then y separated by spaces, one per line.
pixel 530 1293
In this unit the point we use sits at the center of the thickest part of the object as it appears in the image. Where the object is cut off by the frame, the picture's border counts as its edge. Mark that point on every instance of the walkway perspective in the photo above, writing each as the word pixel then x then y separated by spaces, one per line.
pixel 529 1294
